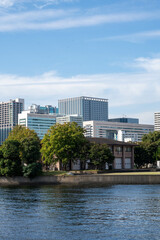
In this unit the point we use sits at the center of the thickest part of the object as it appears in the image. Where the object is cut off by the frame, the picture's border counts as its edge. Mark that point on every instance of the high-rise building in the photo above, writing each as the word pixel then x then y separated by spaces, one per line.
pixel 89 108
pixel 9 116
pixel 127 132
pixel 157 121
pixel 48 109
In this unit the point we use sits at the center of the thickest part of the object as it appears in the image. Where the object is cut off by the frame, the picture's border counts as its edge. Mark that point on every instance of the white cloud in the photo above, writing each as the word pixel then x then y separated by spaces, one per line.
pixel 134 37
pixel 10 3
pixel 149 64
pixel 7 3
pixel 122 90
pixel 51 19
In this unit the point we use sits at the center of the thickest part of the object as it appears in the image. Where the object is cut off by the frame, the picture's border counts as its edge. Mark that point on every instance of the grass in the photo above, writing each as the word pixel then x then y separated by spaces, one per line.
pixel 54 173
pixel 134 173
pixel 63 173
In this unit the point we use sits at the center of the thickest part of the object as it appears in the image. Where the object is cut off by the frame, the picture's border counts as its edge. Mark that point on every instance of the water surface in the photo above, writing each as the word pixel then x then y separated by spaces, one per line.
pixel 80 213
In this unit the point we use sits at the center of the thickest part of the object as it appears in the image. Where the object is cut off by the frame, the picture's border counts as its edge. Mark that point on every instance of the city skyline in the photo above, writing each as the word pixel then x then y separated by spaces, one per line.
pixel 56 49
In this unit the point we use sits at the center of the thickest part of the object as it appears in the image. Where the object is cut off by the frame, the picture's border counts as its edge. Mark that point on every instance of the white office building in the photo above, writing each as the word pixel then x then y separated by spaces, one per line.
pixel 157 121
pixel 70 118
pixel 117 130
pixel 40 123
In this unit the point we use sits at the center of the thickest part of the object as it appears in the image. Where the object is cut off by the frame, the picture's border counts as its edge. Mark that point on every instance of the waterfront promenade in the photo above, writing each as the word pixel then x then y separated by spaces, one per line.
pixel 105 179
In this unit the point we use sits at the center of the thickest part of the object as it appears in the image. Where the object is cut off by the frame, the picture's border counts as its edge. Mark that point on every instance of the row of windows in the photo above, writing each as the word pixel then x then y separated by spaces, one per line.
pixel 119 149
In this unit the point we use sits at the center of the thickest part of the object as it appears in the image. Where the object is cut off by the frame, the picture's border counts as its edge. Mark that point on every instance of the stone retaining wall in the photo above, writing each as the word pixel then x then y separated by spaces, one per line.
pixel 82 179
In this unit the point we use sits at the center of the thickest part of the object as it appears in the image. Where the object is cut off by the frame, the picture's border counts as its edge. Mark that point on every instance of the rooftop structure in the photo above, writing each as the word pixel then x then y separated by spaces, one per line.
pixel 124 120
pixel 48 109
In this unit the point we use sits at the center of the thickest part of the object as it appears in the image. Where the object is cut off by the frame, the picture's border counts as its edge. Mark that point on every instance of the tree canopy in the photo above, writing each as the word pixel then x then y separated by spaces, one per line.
pixel 100 154
pixel 20 132
pixel 148 151
pixel 29 143
pixel 63 142
pixel 151 143
pixel 10 163
pixel 141 156
pixel 20 153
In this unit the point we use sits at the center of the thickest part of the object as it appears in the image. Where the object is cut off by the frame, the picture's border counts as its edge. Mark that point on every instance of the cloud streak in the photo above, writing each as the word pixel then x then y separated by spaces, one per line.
pixel 134 37
pixel 10 3
pixel 60 19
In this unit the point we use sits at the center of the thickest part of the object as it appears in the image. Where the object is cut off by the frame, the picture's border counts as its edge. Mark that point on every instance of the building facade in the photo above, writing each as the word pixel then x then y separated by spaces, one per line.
pixel 40 123
pixel 123 153
pixel 157 121
pixel 70 118
pixel 9 116
pixel 48 109
pixel 124 120
pixel 87 107
pixel 116 130
pixel 123 156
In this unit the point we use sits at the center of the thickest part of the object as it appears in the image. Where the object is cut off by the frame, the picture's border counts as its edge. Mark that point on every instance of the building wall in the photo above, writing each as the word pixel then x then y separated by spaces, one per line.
pixel 48 109
pixel 87 107
pixel 124 120
pixel 117 131
pixel 157 121
pixel 70 118
pixel 9 116
pixel 40 123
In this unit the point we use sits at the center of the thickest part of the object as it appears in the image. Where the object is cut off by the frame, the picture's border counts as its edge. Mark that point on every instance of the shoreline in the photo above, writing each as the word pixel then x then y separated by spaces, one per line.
pixel 93 179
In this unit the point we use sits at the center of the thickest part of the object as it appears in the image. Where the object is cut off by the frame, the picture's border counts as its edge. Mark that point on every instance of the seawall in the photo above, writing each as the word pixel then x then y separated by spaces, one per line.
pixel 95 179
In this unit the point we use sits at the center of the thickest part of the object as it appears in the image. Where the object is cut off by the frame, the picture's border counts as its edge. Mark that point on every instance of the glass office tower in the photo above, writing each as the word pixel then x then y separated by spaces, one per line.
pixel 88 107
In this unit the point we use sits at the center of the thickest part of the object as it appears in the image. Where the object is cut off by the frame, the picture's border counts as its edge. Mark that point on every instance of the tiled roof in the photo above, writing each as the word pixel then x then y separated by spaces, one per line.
pixel 109 141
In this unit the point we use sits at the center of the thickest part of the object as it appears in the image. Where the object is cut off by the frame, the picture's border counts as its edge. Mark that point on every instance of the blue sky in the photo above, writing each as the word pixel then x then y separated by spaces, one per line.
pixel 54 49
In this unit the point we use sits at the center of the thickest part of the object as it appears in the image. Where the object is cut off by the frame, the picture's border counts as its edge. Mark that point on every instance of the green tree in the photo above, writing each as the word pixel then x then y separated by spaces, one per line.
pixel 20 132
pixel 30 150
pixel 141 156
pixel 100 154
pixel 29 143
pixel 151 143
pixel 32 170
pixel 84 155
pixel 64 143
pixel 10 163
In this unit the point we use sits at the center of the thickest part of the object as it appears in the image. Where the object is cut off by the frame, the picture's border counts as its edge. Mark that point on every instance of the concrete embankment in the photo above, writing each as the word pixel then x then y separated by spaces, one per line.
pixel 94 179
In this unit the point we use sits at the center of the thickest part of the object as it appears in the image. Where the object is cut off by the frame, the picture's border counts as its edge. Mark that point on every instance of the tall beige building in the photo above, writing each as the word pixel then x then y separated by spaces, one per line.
pixel 157 121
pixel 9 116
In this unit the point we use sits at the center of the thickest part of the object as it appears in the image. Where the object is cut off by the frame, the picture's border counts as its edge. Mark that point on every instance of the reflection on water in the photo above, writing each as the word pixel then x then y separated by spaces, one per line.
pixel 59 212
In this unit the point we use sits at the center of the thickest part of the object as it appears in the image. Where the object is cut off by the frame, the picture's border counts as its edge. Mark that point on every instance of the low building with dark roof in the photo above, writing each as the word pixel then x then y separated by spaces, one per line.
pixel 123 156
pixel 122 151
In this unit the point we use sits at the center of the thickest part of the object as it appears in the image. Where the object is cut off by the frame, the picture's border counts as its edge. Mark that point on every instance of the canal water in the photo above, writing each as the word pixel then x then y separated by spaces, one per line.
pixel 80 213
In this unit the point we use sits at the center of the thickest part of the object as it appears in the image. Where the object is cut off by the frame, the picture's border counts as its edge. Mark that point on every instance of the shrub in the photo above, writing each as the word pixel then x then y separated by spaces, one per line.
pixel 32 170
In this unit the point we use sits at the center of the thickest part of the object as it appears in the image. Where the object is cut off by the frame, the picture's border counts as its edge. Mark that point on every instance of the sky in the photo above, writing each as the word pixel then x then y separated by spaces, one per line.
pixel 55 49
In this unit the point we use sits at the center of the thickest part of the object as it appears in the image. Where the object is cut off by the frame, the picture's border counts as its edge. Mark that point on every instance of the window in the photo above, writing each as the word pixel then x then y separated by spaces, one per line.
pixel 118 149
pixel 128 149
